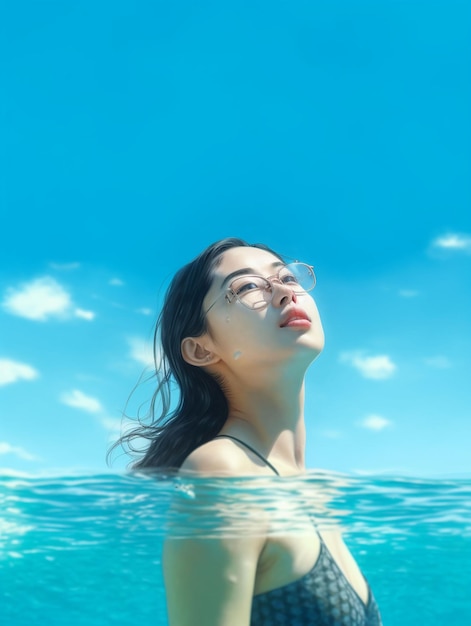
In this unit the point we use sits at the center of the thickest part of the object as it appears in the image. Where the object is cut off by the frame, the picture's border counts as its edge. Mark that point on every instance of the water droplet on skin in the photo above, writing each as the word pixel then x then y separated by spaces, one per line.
pixel 237 354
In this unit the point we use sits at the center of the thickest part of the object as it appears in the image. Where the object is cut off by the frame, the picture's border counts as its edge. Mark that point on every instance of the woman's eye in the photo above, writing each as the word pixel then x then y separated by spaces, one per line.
pixel 245 287
pixel 288 279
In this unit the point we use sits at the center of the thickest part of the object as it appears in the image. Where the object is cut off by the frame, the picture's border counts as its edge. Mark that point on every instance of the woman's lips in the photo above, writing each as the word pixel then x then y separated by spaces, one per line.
pixel 296 318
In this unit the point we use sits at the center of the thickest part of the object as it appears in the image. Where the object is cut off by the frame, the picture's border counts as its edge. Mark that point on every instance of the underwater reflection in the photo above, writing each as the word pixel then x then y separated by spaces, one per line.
pixel 253 505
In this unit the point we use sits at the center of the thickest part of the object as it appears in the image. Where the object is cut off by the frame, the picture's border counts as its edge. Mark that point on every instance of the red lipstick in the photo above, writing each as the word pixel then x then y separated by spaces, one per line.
pixel 295 318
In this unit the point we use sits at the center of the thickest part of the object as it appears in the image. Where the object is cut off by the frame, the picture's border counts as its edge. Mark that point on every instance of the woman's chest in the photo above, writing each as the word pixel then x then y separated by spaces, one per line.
pixel 288 557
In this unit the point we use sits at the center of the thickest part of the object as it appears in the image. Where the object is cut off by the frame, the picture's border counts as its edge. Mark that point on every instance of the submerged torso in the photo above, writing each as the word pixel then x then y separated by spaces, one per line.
pixel 309 579
pixel 324 596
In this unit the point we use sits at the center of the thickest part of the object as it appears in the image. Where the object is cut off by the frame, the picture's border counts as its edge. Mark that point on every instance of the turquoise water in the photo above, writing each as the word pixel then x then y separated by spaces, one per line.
pixel 85 550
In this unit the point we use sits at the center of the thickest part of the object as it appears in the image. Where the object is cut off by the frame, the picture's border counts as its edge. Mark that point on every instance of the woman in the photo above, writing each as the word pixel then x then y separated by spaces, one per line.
pixel 237 333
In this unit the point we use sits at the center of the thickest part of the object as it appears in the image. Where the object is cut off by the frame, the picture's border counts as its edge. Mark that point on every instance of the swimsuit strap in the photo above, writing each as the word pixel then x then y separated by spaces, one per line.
pixel 252 450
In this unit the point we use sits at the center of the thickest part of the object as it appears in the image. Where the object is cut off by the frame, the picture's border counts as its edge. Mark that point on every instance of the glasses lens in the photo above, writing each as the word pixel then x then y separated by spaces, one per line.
pixel 299 275
pixel 253 291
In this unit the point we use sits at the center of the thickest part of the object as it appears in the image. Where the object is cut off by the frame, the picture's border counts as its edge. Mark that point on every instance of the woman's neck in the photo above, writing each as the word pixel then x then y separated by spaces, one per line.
pixel 270 416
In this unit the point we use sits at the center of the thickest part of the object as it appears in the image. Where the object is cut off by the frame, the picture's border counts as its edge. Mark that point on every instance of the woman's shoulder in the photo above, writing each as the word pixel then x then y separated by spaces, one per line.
pixel 218 457
pixel 208 469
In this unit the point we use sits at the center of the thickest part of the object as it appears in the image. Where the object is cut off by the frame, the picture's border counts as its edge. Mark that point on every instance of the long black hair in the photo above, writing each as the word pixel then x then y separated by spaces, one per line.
pixel 202 407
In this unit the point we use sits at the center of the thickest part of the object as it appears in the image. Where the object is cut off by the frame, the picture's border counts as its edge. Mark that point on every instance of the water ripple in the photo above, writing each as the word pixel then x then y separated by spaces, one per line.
pixel 78 512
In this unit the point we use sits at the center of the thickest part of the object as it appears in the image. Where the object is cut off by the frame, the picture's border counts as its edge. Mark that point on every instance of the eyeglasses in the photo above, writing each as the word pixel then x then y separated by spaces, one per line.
pixel 256 292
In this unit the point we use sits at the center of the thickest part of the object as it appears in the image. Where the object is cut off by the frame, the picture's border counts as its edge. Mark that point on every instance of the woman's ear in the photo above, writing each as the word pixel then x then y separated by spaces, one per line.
pixel 195 353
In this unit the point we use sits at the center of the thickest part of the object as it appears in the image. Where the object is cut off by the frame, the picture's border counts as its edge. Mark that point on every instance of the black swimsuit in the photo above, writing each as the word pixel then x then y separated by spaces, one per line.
pixel 322 597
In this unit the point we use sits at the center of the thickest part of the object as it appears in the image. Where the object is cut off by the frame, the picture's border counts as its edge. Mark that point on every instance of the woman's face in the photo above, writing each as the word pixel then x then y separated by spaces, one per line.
pixel 287 327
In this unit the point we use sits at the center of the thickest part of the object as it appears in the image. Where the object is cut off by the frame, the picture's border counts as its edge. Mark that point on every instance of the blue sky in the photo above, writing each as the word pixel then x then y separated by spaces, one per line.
pixel 136 133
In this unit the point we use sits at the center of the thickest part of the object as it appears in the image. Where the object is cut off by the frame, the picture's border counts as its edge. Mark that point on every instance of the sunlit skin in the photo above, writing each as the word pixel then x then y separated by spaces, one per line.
pixel 262 364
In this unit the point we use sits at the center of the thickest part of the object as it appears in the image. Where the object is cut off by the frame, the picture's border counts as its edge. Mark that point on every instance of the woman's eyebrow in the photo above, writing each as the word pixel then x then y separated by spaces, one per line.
pixel 246 270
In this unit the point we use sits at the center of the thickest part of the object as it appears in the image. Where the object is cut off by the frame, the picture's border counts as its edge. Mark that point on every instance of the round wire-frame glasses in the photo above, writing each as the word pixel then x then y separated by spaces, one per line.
pixel 255 291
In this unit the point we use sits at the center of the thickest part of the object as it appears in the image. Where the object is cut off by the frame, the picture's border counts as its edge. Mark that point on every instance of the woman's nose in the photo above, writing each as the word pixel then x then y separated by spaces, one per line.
pixel 282 294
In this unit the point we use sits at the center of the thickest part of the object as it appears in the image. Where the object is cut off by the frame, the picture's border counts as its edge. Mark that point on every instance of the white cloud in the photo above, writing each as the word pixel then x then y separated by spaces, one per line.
pixel 41 299
pixel 375 367
pixel 141 351
pixel 144 311
pixel 116 282
pixel 79 400
pixel 12 371
pixel 408 293
pixel 6 448
pixel 454 242
pixel 85 315
pixel 440 362
pixel 38 299
pixel 375 422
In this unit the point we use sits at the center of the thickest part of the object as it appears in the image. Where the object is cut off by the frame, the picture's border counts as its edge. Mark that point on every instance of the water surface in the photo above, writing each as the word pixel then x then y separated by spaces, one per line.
pixel 85 550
